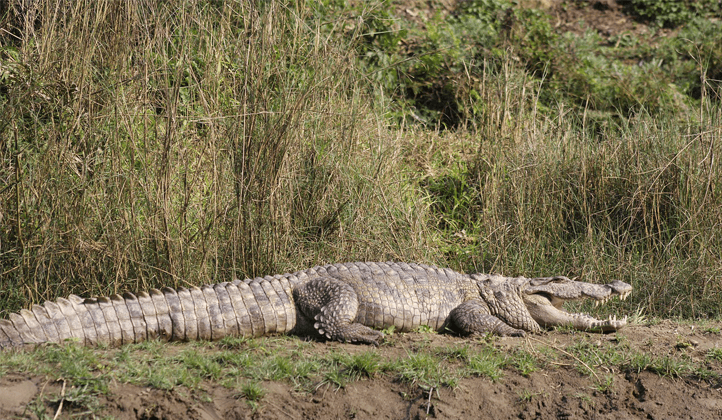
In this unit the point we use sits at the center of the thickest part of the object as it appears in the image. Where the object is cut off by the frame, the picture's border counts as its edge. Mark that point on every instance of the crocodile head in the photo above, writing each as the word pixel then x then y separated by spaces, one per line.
pixel 544 298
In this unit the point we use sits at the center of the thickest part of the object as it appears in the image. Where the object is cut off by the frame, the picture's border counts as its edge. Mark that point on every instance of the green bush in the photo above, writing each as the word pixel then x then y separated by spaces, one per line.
pixel 671 13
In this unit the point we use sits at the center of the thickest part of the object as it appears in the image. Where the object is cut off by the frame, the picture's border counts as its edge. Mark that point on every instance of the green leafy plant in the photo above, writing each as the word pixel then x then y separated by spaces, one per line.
pixel 667 13
pixel 488 363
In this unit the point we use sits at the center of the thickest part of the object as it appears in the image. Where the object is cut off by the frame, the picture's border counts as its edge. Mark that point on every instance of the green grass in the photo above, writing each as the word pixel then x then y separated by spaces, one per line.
pixel 605 384
pixel 422 369
pixel 526 363
pixel 638 362
pixel 253 362
pixel 456 352
pixel 363 365
pixel 488 363
pixel 252 391
pixel 671 367
pixel 715 353
pixel 527 396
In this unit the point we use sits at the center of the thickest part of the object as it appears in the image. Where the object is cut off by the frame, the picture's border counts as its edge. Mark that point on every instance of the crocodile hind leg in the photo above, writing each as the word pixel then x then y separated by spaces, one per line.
pixel 332 305
pixel 473 317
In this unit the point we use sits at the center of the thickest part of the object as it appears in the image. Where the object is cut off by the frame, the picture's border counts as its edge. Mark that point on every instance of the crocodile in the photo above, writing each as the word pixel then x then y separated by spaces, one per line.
pixel 344 302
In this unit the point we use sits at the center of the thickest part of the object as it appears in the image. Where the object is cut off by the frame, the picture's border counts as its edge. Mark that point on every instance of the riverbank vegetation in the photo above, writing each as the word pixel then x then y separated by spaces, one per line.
pixel 180 142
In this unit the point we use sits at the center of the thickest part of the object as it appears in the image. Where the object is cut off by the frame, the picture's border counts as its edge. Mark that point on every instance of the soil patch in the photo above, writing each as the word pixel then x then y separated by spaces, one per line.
pixel 559 390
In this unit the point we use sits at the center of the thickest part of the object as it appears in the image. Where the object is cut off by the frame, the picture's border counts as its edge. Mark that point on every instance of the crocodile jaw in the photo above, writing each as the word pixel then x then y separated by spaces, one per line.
pixel 548 312
pixel 545 296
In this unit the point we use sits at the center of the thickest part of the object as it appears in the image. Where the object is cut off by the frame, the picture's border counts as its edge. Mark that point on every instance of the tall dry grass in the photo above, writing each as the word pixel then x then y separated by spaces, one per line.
pixel 585 195
pixel 177 142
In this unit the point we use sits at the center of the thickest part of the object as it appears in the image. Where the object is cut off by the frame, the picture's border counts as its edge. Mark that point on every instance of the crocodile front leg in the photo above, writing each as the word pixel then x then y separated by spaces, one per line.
pixel 333 306
pixel 473 317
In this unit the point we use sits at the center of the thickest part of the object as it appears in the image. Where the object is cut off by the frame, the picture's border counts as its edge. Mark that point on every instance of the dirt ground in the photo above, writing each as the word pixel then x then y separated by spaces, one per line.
pixel 558 390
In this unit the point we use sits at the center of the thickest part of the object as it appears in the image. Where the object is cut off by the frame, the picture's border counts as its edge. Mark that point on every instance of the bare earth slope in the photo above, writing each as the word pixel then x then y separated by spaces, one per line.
pixel 562 388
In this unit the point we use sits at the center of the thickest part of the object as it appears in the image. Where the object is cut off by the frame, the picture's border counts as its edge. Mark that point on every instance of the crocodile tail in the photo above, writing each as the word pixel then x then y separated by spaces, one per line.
pixel 211 312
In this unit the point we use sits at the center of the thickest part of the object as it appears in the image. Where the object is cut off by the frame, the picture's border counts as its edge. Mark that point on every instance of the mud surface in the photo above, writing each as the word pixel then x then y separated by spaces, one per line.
pixel 558 390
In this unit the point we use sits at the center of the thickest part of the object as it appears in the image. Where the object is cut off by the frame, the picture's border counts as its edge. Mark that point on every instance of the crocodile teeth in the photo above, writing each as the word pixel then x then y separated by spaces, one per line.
pixel 604 300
